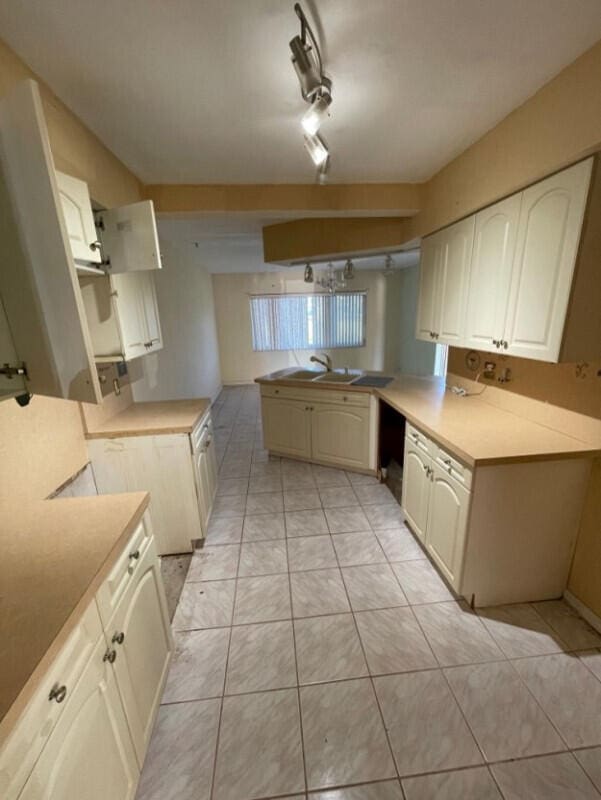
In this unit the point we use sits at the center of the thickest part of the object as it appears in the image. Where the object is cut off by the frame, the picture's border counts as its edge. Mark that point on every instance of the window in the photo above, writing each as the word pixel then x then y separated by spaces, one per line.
pixel 308 321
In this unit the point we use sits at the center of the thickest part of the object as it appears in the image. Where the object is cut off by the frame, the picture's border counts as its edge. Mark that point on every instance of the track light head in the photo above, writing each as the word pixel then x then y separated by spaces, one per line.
pixel 306 67
pixel 316 113
pixel 317 149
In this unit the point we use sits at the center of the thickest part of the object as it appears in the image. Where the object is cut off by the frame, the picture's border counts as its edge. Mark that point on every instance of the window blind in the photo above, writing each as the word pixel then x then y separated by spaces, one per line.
pixel 308 321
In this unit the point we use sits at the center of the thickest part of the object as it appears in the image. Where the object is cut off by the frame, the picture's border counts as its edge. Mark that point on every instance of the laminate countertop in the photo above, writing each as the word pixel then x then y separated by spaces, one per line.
pixel 473 430
pixel 152 418
pixel 55 555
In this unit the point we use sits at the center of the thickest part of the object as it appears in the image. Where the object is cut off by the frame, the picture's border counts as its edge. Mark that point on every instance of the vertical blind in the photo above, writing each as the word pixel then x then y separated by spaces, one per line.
pixel 308 321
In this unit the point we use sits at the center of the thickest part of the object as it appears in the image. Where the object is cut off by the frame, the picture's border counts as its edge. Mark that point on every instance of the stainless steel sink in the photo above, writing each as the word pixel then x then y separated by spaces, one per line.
pixel 337 377
pixel 302 375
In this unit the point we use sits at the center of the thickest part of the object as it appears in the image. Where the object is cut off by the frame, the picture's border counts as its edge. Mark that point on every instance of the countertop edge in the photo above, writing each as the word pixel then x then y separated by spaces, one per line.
pixel 153 430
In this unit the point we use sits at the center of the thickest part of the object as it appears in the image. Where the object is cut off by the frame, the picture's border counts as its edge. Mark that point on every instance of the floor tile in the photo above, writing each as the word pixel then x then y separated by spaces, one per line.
pixel 302 500
pixel 214 563
pixel 456 634
pixel 262 599
pixel 426 728
pixel 228 506
pixel 372 586
pixel 338 750
pixel 590 761
pixel 179 762
pixel 384 790
pixel 197 667
pixel 504 717
pixel 475 783
pixel 359 479
pixel 318 592
pixel 232 486
pixel 592 660
pixel 326 477
pixel 264 469
pixel 305 523
pixel 263 558
pixel 265 503
pixel 229 471
pixel 520 631
pixel 353 549
pixel 346 520
pixel 298 480
pixel 569 694
pixel 270 483
pixel 574 631
pixel 371 494
pixel 328 649
pixel 263 526
pixel 393 641
pixel 311 552
pixel 385 516
pixel 225 530
pixel 260 750
pixel 557 777
pixel 205 605
pixel 174 569
pixel 337 497
pixel 261 657
pixel 399 544
pixel 420 582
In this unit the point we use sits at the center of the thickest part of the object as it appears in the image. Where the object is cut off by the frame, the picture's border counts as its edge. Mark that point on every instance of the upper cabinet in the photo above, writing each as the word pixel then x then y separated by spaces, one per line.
pixel 526 280
pixel 129 237
pixel 79 219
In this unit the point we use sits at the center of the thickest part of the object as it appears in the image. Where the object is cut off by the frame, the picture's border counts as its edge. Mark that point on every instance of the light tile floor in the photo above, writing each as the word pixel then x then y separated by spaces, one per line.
pixel 319 655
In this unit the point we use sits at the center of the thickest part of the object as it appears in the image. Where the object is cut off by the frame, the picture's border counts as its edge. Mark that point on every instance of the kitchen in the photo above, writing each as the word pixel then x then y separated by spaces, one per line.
pixel 274 528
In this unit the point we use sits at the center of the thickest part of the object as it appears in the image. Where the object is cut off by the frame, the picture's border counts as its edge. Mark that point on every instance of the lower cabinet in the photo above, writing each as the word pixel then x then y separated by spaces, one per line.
pixel 287 426
pixel 340 435
pixel 416 488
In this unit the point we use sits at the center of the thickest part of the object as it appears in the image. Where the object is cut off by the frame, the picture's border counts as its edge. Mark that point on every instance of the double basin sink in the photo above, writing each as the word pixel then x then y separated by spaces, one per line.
pixel 332 376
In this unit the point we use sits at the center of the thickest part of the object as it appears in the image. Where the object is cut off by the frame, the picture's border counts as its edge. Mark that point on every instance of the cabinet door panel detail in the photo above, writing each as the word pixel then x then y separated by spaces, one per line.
pixel 340 435
pixel 429 301
pixel 416 488
pixel 79 219
pixel 453 279
pixel 287 426
pixel 130 237
pixel 447 520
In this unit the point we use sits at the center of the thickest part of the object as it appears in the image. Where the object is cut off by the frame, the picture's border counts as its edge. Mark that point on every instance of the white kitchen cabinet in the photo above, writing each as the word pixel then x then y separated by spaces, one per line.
pixel 490 276
pixel 287 426
pixel 340 434
pixel 447 523
pixel 551 219
pixel 89 755
pixel 79 219
pixel 129 237
pixel 428 300
pixel 416 488
pixel 139 641
pixel 205 471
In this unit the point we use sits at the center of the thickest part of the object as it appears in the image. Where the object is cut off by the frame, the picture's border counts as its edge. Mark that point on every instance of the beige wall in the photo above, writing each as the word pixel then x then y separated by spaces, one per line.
pixel 239 364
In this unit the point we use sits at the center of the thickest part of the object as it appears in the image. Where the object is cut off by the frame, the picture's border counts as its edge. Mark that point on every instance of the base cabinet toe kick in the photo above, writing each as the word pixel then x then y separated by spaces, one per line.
pixel 498 533
pixel 85 730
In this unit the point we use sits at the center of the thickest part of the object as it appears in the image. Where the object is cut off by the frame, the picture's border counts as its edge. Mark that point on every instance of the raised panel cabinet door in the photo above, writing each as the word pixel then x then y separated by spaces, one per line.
pixel 150 309
pixel 490 273
pixel 79 219
pixel 130 315
pixel 199 459
pixel 453 279
pixel 340 435
pixel 547 246
pixel 140 636
pixel 416 488
pixel 129 237
pixel 428 304
pixel 89 755
pixel 287 426
pixel 447 524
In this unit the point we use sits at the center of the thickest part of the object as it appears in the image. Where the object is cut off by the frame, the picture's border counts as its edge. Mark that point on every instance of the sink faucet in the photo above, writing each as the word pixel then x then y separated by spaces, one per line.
pixel 327 363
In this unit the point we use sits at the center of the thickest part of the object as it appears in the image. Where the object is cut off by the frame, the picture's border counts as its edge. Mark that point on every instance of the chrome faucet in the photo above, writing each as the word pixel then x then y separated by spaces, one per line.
pixel 327 363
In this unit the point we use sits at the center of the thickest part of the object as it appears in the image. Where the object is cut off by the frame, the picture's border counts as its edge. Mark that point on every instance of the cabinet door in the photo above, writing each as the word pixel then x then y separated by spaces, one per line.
pixel 416 488
pixel 129 237
pixel 130 315
pixel 150 311
pixel 429 301
pixel 202 488
pixel 287 426
pixel 490 273
pixel 340 435
pixel 453 280
pixel 79 219
pixel 547 245
pixel 447 524
pixel 89 755
pixel 140 636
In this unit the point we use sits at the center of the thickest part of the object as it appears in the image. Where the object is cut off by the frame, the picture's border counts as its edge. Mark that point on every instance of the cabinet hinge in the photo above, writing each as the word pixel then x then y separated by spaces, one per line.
pixel 11 371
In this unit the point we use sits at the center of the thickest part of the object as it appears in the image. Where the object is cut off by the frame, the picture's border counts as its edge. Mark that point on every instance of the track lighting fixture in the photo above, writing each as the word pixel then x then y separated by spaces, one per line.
pixel 316 89
pixel 308 274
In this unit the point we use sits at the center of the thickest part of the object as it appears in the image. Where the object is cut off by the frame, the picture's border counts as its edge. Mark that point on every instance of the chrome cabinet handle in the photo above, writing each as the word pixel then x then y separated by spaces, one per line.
pixel 58 693
pixel 415 437
pixel 118 638
pixel 135 555
pixel 505 344
pixel 110 656
pixel 95 246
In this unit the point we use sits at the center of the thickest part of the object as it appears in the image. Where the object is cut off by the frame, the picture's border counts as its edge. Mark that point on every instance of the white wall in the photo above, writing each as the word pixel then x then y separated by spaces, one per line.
pixel 414 356
pixel 240 364
pixel 188 364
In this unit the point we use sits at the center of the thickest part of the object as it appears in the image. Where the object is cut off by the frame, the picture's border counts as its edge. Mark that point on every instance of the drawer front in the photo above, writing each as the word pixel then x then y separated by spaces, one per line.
pixel 119 578
pixel 308 395
pixel 22 749
pixel 420 441
pixel 205 424
pixel 454 468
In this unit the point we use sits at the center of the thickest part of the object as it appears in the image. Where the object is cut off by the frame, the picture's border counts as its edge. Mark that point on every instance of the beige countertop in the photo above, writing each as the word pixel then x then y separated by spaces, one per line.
pixel 476 432
pixel 55 555
pixel 147 419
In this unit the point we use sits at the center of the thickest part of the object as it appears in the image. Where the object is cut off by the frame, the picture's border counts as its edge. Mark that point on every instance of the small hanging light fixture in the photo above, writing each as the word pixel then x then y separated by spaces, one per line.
pixel 308 274
pixel 349 270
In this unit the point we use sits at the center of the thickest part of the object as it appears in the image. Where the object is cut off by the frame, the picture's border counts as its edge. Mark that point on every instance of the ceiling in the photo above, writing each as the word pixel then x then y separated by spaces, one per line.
pixel 202 91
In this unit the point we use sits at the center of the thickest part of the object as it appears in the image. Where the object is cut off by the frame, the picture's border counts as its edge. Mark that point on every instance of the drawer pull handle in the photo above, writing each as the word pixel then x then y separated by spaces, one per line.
pixel 58 693
pixel 446 461
pixel 110 656
pixel 118 638
pixel 415 437
pixel 95 246
pixel 135 555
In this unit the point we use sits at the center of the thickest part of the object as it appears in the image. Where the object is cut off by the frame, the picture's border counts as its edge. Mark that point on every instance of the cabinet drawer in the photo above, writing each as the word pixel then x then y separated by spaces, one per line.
pixel 452 467
pixel 201 427
pixel 310 395
pixel 22 749
pixel 113 588
pixel 420 440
